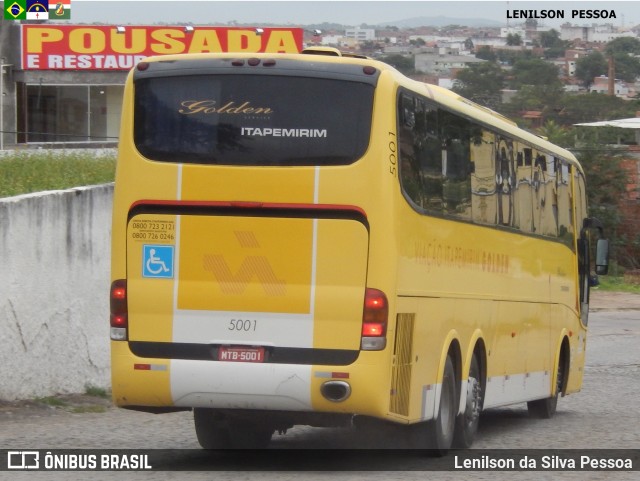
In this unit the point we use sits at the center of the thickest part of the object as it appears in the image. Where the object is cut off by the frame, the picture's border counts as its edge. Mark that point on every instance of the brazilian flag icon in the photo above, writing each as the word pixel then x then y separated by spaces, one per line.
pixel 15 9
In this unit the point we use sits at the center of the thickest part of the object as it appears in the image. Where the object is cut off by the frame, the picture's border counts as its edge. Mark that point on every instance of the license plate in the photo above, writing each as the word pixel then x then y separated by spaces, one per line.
pixel 241 354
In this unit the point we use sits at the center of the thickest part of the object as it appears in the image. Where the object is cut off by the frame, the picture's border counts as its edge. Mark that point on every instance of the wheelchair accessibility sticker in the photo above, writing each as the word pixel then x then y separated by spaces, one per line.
pixel 157 261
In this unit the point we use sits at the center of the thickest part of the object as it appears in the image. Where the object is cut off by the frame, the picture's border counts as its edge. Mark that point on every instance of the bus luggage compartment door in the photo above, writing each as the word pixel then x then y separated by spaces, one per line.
pixel 247 280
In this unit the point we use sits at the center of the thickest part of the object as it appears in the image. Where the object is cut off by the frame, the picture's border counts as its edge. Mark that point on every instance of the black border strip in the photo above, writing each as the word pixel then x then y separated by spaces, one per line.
pixel 288 212
pixel 274 355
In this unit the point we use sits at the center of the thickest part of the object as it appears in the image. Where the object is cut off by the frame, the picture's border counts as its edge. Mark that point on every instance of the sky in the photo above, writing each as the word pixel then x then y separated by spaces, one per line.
pixel 307 12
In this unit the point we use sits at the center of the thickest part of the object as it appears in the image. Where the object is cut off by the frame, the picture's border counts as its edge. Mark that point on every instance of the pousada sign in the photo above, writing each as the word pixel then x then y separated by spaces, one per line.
pixel 101 47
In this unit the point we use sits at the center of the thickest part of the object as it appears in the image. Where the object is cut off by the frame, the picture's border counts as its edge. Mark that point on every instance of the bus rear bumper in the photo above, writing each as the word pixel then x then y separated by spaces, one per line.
pixel 240 385
pixel 181 383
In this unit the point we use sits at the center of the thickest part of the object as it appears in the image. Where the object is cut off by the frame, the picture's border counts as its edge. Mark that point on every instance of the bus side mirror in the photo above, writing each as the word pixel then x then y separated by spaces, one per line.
pixel 602 257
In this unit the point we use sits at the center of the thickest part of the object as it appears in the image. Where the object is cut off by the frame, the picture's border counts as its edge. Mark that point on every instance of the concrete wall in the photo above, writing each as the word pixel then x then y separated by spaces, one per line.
pixel 54 292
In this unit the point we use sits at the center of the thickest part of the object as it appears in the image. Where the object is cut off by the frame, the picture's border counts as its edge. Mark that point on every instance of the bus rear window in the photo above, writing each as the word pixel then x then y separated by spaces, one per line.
pixel 252 120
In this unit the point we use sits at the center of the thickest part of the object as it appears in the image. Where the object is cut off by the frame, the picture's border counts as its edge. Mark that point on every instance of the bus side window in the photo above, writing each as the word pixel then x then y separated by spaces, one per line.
pixel 420 154
pixel 483 183
pixel 456 133
pixel 524 191
pixel 505 181
pixel 565 202
pixel 540 192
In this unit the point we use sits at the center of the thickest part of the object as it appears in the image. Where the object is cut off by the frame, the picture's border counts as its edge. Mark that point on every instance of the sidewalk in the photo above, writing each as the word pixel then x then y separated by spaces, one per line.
pixel 613 301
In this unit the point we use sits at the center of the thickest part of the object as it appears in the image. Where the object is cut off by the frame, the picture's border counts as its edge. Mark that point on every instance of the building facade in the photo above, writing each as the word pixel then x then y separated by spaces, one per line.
pixel 62 85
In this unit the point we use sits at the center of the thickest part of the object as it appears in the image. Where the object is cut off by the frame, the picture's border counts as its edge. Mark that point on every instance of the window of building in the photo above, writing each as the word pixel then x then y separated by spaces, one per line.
pixel 72 113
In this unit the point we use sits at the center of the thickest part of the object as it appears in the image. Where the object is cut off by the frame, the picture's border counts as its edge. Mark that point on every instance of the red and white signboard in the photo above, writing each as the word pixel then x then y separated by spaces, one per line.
pixel 89 47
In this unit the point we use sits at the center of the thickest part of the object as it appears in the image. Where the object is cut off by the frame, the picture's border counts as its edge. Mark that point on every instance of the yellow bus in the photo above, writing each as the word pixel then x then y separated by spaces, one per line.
pixel 315 239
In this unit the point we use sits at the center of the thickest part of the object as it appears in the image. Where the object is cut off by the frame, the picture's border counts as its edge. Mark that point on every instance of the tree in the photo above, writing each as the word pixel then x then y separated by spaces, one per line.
pixel 486 53
pixel 513 40
pixel 406 65
pixel 468 44
pixel 574 109
pixel 543 98
pixel 624 51
pixel 538 85
pixel 510 57
pixel 534 71
pixel 590 67
pixel 552 43
pixel 556 133
pixel 369 46
pixel 628 45
pixel 606 180
pixel 481 83
pixel 551 39
pixel 627 67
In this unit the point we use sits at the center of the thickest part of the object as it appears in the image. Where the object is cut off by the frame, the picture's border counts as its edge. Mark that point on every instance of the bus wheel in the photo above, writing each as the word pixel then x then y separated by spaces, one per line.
pixel 445 422
pixel 215 430
pixel 467 423
pixel 245 434
pixel 546 408
pixel 211 429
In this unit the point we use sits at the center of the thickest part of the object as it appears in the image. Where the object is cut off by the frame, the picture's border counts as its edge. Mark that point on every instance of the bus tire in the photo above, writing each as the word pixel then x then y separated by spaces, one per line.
pixel 216 430
pixel 546 408
pixel 467 423
pixel 244 434
pixel 211 430
pixel 445 421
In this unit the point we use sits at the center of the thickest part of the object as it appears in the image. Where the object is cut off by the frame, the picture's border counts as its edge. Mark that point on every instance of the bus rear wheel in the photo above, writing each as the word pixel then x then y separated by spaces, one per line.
pixel 214 430
pixel 467 423
pixel 211 429
pixel 445 421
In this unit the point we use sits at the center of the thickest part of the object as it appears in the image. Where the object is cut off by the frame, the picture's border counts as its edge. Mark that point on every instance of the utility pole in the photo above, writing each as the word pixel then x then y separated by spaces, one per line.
pixel 612 76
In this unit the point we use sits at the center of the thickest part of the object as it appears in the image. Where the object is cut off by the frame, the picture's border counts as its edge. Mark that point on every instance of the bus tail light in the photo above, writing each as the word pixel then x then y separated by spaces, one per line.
pixel 119 311
pixel 374 320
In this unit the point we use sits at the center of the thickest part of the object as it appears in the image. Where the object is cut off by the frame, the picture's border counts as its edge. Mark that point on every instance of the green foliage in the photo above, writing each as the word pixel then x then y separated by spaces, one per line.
pixel 628 45
pixel 606 185
pixel 627 67
pixel 25 172
pixel 486 53
pixel 510 57
pixel 617 284
pixel 534 71
pixel 404 64
pixel 590 67
pixel 606 179
pixel 575 109
pixel 624 51
pixel 481 83
pixel 554 46
pixel 551 39
pixel 538 86
pixel 96 391
pixel 513 39
pixel 556 133
pixel 543 98
pixel 52 401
